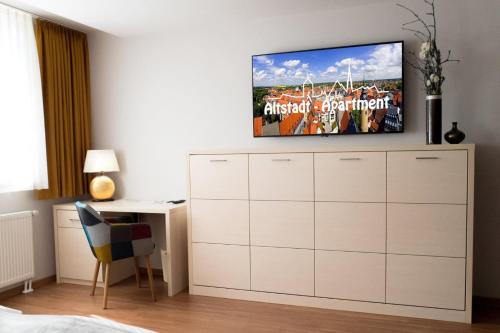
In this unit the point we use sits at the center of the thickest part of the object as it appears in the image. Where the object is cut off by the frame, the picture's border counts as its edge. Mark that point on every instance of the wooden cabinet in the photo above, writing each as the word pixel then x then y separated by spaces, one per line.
pixel 437 176
pixel 386 230
pixel 220 265
pixel 350 275
pixel 350 226
pixel 68 219
pixel 281 177
pixel 283 270
pixel 219 176
pixel 220 221
pixel 426 281
pixel 282 224
pixel 422 229
pixel 75 262
pixel 350 176
pixel 75 258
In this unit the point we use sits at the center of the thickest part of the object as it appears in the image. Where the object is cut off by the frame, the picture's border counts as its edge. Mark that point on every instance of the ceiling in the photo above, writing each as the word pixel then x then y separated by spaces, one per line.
pixel 138 17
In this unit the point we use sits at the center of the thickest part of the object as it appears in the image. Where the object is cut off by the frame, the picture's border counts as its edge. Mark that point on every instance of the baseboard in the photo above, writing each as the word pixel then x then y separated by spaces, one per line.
pixel 335 304
pixel 14 291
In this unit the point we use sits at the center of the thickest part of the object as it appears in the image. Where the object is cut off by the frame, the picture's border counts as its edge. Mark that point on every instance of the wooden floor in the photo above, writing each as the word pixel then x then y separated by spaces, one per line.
pixel 186 313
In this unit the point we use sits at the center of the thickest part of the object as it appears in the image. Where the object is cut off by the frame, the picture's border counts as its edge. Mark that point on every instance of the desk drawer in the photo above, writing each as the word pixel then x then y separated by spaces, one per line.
pixel 219 176
pixel 354 176
pixel 281 177
pixel 427 177
pixel 68 219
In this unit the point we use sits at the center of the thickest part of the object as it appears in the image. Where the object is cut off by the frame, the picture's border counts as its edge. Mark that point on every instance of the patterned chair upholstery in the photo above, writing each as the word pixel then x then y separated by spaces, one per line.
pixel 115 241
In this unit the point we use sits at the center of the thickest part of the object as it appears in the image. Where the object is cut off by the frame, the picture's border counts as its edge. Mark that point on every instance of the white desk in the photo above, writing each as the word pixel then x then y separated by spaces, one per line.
pixel 74 260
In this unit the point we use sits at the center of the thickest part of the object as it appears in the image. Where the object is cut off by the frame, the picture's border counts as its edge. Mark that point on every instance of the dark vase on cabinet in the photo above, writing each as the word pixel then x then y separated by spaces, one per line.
pixel 433 105
pixel 454 135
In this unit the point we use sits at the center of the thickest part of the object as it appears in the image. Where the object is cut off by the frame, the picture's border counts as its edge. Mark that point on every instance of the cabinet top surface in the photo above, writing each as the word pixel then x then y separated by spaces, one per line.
pixel 333 149
pixel 127 206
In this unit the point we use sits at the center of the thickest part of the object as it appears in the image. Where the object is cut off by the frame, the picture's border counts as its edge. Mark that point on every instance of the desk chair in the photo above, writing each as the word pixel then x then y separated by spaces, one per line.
pixel 115 241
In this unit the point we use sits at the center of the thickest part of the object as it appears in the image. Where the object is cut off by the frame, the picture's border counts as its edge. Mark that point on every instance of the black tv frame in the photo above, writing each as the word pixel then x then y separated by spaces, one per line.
pixel 330 48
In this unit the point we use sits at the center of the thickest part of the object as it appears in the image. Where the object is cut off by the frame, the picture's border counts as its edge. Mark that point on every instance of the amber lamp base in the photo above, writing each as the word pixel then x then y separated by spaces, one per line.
pixel 102 188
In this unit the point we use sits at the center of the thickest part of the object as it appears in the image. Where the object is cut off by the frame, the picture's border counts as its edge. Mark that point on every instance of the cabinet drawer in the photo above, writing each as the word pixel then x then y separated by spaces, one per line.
pixel 220 221
pixel 426 229
pixel 280 270
pixel 350 226
pixel 282 224
pixel 68 219
pixel 219 176
pixel 427 177
pixel 76 260
pixel 355 177
pixel 281 177
pixel 426 281
pixel 219 265
pixel 350 275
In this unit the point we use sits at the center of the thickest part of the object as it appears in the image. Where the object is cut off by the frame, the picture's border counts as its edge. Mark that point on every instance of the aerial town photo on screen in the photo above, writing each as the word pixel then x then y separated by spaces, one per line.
pixel 347 90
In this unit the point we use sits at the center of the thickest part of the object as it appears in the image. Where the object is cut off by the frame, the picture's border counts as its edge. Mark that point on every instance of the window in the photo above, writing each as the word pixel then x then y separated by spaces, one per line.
pixel 23 162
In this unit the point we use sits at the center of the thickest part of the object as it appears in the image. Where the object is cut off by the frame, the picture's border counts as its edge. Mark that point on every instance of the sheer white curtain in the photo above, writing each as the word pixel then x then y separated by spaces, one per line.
pixel 23 162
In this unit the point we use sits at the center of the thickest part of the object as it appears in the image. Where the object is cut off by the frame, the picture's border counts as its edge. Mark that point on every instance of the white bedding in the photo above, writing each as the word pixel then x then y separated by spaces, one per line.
pixel 14 321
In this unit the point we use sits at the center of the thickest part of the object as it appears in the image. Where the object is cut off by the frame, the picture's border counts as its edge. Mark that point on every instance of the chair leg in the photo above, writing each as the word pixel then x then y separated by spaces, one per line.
pixel 137 272
pixel 96 273
pixel 150 278
pixel 106 286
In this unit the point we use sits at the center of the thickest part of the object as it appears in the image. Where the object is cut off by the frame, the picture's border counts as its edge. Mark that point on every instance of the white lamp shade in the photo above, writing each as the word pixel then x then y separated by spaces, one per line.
pixel 101 161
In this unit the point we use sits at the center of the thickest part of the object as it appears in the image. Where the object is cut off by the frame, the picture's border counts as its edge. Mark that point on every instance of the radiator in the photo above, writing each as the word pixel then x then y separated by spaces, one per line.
pixel 16 249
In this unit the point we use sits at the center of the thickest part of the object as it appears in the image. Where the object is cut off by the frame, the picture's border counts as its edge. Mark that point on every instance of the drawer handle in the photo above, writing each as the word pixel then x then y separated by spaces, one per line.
pixel 215 161
pixel 75 220
pixel 282 159
pixel 427 158
pixel 350 159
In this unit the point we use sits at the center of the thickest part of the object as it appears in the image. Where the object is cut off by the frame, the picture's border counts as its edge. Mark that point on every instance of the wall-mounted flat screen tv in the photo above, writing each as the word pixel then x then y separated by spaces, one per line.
pixel 333 91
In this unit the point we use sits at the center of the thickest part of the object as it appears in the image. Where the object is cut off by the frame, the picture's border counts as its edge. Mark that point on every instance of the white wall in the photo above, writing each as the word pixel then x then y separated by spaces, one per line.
pixel 158 96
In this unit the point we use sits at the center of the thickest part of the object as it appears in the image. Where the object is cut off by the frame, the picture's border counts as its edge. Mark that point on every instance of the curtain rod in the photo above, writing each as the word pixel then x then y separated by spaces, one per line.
pixel 37 16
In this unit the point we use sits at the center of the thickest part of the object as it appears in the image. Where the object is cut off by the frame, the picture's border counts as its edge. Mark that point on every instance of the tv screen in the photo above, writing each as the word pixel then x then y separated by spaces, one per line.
pixel 333 91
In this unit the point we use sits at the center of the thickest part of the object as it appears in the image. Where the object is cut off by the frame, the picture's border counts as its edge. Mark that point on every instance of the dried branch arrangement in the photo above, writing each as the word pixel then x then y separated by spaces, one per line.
pixel 428 62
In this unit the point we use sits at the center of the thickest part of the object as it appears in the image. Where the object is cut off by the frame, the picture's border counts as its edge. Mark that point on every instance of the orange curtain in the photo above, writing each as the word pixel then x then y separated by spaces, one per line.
pixel 64 65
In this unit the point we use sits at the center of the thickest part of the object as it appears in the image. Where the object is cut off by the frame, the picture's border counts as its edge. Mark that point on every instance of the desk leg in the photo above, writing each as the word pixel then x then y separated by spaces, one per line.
pixel 177 257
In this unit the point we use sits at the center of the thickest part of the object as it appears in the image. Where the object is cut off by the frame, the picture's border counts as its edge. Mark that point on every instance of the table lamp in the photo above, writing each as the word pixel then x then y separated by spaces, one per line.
pixel 102 187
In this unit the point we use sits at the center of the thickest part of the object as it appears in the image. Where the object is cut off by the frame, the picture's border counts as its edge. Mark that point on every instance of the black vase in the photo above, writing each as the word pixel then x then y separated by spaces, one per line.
pixel 433 107
pixel 454 135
